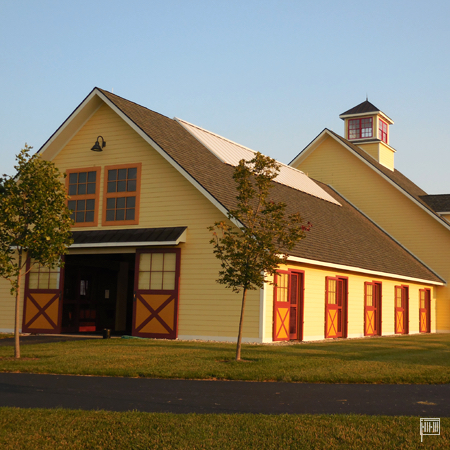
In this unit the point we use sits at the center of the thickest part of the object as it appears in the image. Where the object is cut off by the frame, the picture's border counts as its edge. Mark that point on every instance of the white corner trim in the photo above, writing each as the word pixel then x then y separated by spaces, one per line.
pixel 361 270
pixel 262 312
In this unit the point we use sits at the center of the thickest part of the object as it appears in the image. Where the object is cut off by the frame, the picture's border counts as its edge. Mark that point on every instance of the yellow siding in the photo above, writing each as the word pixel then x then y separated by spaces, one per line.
pixel 169 200
pixel 8 306
pixel 314 303
pixel 424 236
pixel 371 149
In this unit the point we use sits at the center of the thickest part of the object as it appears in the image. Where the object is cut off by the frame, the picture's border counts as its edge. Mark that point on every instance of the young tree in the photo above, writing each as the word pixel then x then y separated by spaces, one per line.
pixel 262 237
pixel 34 222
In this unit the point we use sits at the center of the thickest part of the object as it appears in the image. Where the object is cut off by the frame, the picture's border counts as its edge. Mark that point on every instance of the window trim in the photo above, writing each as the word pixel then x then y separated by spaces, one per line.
pixel 359 120
pixel 95 196
pixel 136 193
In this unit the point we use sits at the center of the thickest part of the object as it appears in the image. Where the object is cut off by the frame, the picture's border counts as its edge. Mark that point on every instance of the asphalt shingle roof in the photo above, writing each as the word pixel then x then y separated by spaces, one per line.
pixel 339 234
pixel 364 107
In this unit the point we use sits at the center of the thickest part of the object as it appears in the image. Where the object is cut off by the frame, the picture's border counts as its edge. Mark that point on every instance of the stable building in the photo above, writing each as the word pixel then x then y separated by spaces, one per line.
pixel 144 188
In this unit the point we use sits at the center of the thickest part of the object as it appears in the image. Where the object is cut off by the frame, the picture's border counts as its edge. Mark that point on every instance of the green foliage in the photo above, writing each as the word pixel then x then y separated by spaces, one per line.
pixel 34 218
pixel 265 235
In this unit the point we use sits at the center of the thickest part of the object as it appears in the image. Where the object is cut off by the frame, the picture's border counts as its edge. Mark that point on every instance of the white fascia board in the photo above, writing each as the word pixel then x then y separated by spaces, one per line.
pixel 367 163
pixel 373 113
pixel 361 270
pixel 309 148
pixel 168 158
pixel 87 108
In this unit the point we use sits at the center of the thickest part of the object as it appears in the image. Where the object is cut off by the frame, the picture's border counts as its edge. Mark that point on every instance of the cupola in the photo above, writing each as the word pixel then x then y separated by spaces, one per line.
pixel 368 127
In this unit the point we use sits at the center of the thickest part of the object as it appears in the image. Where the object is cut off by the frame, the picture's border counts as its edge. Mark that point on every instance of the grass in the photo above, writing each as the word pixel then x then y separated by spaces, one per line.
pixel 65 429
pixel 407 359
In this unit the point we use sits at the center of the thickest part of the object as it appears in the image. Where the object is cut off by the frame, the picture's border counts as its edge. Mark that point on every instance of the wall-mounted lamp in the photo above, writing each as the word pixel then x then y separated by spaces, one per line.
pixel 96 147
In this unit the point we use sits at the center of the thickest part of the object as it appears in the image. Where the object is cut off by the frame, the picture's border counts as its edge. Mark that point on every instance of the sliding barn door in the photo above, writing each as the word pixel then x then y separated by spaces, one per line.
pixel 42 307
pixel 157 282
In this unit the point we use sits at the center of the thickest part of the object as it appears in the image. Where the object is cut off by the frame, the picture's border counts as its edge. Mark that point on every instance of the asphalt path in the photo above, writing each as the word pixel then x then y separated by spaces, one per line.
pixel 227 397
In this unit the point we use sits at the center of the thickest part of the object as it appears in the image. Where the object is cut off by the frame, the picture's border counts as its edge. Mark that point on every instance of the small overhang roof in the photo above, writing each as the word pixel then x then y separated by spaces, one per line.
pixel 129 238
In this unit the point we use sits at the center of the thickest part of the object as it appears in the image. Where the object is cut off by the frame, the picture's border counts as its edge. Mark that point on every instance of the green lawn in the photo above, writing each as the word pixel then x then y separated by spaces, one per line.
pixel 403 359
pixel 64 429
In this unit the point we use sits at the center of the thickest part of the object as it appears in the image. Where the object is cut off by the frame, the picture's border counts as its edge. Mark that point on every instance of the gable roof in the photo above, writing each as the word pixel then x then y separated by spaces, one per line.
pixel 340 235
pixel 395 177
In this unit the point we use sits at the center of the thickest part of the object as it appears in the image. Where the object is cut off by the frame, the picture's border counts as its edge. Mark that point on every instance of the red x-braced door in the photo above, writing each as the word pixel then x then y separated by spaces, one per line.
pixel 157 280
pixel 43 299
pixel 335 307
pixel 401 309
pixel 424 310
pixel 372 309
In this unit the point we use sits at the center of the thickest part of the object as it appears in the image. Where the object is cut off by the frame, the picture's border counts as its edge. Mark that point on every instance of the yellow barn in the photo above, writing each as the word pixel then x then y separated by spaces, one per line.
pixel 144 188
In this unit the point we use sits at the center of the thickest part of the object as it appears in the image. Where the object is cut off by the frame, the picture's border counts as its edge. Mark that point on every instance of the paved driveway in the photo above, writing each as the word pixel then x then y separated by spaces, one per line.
pixel 229 397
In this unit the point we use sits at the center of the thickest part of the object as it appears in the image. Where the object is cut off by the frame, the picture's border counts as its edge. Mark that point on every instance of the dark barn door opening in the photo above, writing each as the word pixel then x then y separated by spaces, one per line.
pixel 98 293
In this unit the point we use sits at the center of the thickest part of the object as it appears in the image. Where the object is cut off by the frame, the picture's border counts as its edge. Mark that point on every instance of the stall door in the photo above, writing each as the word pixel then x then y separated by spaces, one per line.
pixel 295 305
pixel 372 309
pixel 424 310
pixel 155 309
pixel 43 299
pixel 335 307
pixel 401 309
pixel 281 307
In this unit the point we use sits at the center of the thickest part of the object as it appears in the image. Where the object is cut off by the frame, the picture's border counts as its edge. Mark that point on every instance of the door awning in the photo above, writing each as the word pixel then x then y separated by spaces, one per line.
pixel 134 237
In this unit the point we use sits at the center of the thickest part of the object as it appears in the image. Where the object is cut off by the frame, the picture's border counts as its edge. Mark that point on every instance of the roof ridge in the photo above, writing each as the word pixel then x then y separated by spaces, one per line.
pixel 105 92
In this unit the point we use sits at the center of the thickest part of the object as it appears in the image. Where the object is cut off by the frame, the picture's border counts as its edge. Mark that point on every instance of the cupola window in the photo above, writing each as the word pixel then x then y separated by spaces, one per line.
pixel 382 131
pixel 360 128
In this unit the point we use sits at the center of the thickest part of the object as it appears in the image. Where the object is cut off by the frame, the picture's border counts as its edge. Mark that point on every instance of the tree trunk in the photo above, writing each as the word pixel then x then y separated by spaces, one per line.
pixel 238 348
pixel 17 324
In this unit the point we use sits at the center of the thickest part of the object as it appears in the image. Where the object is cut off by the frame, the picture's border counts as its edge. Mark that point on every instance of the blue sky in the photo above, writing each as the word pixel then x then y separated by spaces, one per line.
pixel 270 75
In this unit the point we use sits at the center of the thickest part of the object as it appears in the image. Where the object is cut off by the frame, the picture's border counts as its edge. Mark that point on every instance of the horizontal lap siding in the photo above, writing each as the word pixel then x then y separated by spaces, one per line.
pixel 8 305
pixel 391 209
pixel 169 200
pixel 314 303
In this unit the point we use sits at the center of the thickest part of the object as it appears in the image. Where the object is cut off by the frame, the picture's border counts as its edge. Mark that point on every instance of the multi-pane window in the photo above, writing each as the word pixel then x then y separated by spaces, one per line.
pixel 369 294
pixel 360 128
pixel 382 131
pixel 331 291
pixel 82 187
pixel 157 271
pixel 282 280
pixel 122 195
pixel 41 277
